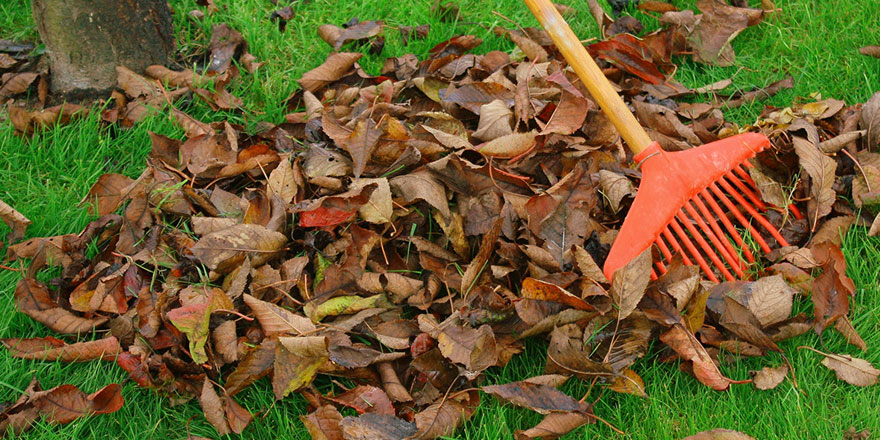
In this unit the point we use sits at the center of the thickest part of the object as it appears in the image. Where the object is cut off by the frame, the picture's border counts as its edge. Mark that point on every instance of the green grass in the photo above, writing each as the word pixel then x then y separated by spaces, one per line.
pixel 44 177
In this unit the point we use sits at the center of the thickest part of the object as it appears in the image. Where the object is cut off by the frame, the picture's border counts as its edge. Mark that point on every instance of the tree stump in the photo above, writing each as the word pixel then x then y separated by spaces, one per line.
pixel 87 39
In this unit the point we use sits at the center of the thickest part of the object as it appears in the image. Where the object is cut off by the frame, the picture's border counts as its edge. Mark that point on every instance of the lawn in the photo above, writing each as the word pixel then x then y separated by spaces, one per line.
pixel 816 42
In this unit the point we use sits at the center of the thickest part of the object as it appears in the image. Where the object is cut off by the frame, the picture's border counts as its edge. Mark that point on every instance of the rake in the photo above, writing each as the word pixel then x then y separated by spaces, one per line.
pixel 684 197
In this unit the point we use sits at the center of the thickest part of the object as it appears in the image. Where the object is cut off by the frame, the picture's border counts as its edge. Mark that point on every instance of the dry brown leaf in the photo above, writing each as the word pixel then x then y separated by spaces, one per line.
pixel 821 170
pixel 333 68
pixel 870 121
pixel 359 142
pixel 542 399
pixel 16 83
pixel 630 282
pixel 480 261
pixel 770 377
pixel 569 116
pixel 212 406
pixel 15 220
pixel 364 399
pixel 496 120
pixel 854 371
pixel 719 434
pixel 510 145
pixel 588 266
pixel 51 349
pixel 473 348
pixel 323 423
pixel 224 249
pixel 689 348
pixel 628 382
pixel 556 425
pixel 378 208
pixel 371 426
pixel 297 360
pixel 421 185
pixel 771 191
pixel 278 320
pixel 718 26
pixel 444 417
pixel 192 126
pixel 255 364
pixel 615 187
pixel 62 404
pixel 740 321
pixel 871 51
pixel 282 182
pixel 33 299
pixel 544 291
pixel 845 327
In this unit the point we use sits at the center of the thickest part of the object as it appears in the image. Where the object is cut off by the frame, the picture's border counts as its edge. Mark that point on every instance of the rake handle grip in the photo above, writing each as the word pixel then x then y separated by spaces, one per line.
pixel 587 70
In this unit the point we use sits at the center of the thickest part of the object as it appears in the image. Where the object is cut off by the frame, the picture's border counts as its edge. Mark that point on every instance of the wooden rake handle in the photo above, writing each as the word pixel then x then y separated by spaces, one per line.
pixel 587 70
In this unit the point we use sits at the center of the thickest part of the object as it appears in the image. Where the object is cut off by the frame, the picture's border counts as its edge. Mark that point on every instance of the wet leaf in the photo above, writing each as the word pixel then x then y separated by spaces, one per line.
pixel 225 44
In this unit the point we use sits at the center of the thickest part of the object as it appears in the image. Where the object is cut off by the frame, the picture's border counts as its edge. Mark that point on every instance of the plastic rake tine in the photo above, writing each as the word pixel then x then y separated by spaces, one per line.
pixel 731 230
pixel 716 241
pixel 693 250
pixel 754 213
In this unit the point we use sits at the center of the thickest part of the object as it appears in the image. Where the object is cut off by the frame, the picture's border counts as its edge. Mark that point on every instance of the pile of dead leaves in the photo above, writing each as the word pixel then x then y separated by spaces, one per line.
pixel 408 231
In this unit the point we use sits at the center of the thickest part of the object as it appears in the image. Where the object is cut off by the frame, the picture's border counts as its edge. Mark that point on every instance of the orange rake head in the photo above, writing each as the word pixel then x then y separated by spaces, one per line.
pixel 682 206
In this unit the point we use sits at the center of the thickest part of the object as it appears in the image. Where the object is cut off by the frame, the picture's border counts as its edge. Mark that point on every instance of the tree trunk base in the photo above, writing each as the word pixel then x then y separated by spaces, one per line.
pixel 87 39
